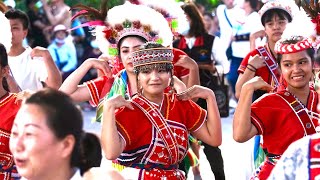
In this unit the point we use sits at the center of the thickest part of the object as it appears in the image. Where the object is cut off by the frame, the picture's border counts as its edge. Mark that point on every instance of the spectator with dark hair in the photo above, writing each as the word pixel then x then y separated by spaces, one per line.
pixel 211 23
pixel 48 134
pixel 29 72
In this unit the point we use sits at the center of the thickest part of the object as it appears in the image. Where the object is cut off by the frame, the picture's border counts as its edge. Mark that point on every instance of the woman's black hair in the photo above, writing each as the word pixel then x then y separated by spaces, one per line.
pixel 121 40
pixel 64 118
pixel 209 14
pixel 91 152
pixel 196 21
pixel 3 64
pixel 19 15
pixel 293 40
pixel 270 14
pixel 255 4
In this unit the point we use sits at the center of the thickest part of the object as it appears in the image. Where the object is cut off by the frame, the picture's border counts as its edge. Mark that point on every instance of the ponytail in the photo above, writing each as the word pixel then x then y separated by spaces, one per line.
pixel 91 153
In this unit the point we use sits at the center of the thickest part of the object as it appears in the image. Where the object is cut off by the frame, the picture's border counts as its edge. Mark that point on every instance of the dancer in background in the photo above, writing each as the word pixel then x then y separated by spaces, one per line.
pixel 298 103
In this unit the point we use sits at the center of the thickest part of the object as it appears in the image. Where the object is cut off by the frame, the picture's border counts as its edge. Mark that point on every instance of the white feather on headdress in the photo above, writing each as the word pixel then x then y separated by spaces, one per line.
pixel 172 8
pixel 5 36
pixel 131 12
pixel 301 25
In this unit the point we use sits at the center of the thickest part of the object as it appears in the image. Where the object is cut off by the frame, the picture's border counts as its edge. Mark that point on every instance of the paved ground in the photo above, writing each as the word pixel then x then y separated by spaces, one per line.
pixel 236 156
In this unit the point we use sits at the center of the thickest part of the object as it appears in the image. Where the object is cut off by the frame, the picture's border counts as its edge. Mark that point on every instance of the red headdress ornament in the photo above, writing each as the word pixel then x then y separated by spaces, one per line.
pixel 284 48
pixel 312 8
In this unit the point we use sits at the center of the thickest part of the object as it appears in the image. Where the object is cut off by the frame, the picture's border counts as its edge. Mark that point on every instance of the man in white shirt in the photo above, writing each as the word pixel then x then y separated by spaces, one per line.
pixel 31 69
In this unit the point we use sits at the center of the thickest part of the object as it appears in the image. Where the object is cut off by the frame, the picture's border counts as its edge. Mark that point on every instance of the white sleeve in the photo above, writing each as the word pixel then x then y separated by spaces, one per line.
pixel 293 164
pixel 41 69
pixel 219 55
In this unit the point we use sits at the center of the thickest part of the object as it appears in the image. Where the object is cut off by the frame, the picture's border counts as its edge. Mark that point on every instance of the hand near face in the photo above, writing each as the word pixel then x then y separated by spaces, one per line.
pixel 258 34
pixel 186 62
pixel 257 61
pixel 116 102
pixel 258 83
pixel 101 65
pixel 195 91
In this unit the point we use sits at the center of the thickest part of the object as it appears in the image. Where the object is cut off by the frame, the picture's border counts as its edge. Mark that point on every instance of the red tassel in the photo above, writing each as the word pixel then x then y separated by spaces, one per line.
pixel 317 22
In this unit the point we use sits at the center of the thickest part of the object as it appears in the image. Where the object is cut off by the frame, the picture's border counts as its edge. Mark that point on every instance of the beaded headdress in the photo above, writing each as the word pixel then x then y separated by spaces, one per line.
pixel 276 4
pixel 131 19
pixel 5 37
pixel 285 48
pixel 147 59
pixel 125 20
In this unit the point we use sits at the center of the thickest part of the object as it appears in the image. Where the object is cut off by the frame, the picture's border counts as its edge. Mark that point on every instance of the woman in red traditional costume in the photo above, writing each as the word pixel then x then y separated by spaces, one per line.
pixel 275 15
pixel 128 26
pixel 9 104
pixel 149 134
pixel 285 116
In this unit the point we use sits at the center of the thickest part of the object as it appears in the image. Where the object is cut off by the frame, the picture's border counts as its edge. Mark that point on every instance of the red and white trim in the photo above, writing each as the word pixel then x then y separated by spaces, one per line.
pixel 281 48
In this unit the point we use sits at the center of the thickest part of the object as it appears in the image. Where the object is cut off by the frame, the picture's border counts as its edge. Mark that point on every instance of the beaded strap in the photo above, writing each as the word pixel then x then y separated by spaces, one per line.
pixel 270 63
pixel 154 166
pixel 300 111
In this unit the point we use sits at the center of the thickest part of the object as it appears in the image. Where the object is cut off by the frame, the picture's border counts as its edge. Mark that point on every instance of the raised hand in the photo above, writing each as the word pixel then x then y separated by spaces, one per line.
pixel 258 34
pixel 186 62
pixel 39 52
pixel 101 65
pixel 257 61
pixel 116 102
pixel 196 91
pixel 258 83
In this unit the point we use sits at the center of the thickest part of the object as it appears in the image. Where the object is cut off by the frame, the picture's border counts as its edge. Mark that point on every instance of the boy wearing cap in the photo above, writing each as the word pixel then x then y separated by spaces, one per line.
pixel 63 51
pixel 285 116
pixel 29 72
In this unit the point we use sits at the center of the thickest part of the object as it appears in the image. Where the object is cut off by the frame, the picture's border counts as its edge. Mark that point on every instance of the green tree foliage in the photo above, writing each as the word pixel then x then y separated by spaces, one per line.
pixel 20 4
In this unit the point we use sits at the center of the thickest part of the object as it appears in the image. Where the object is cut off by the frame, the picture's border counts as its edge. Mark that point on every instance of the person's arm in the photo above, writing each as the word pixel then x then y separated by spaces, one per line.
pixel 210 131
pixel 112 144
pixel 54 78
pixel 179 85
pixel 243 129
pixel 193 76
pixel 255 63
pixel 58 18
pixel 254 37
pixel 11 82
pixel 80 93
